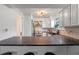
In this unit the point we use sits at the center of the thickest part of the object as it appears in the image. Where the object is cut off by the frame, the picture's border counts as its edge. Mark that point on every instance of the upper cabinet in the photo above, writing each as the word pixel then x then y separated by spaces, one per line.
pixel 78 14
pixel 74 15
pixel 70 15
pixel 66 16
pixel 61 19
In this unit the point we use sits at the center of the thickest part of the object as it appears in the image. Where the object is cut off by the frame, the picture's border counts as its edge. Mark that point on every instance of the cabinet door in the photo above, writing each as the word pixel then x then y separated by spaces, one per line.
pixel 74 15
pixel 78 14
pixel 73 50
pixel 61 19
pixel 66 16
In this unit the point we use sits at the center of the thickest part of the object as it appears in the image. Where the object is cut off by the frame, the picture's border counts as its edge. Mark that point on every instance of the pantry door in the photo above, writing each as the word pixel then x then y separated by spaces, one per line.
pixel 19 25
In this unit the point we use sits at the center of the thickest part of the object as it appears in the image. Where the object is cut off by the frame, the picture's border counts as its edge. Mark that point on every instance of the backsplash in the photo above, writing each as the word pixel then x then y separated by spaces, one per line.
pixel 71 32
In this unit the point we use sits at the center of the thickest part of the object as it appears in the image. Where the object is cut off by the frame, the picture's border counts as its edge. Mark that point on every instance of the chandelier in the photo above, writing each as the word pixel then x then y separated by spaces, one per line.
pixel 41 12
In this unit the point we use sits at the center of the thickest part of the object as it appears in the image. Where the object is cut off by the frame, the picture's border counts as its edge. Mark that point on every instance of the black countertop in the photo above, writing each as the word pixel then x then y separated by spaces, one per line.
pixel 55 40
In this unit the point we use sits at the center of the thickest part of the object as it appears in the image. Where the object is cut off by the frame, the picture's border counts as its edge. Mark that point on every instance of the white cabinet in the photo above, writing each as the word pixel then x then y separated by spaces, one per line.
pixel 66 16
pixel 73 50
pixel 74 14
pixel 70 15
pixel 62 50
pixel 78 14
pixel 37 50
pixel 61 18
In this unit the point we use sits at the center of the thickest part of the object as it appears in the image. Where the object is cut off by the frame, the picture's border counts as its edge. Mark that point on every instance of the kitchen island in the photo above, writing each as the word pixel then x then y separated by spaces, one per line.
pixel 40 41
pixel 56 44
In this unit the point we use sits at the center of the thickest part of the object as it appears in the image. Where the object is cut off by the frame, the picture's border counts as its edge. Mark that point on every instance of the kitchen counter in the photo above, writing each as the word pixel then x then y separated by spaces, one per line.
pixel 40 41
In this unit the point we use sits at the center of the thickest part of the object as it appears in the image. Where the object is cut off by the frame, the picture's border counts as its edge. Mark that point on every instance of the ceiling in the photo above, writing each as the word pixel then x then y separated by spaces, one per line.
pixel 36 5
pixel 28 9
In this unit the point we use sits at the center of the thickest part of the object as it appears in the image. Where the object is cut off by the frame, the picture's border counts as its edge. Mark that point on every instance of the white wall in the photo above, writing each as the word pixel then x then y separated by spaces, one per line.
pixel 27 26
pixel 7 20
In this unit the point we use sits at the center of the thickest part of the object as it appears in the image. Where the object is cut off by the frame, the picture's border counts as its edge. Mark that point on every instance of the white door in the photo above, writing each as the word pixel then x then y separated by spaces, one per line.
pixel 27 26
pixel 19 25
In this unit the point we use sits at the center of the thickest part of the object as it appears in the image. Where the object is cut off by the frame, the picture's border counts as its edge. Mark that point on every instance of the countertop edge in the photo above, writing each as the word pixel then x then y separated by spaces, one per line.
pixel 39 45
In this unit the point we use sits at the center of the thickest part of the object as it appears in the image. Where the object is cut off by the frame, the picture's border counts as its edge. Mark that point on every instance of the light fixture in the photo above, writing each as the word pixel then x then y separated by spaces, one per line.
pixel 41 12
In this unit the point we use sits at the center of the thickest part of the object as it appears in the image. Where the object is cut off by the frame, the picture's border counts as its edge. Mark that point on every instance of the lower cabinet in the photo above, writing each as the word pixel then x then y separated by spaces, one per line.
pixel 39 50
pixel 34 50
pixel 73 50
